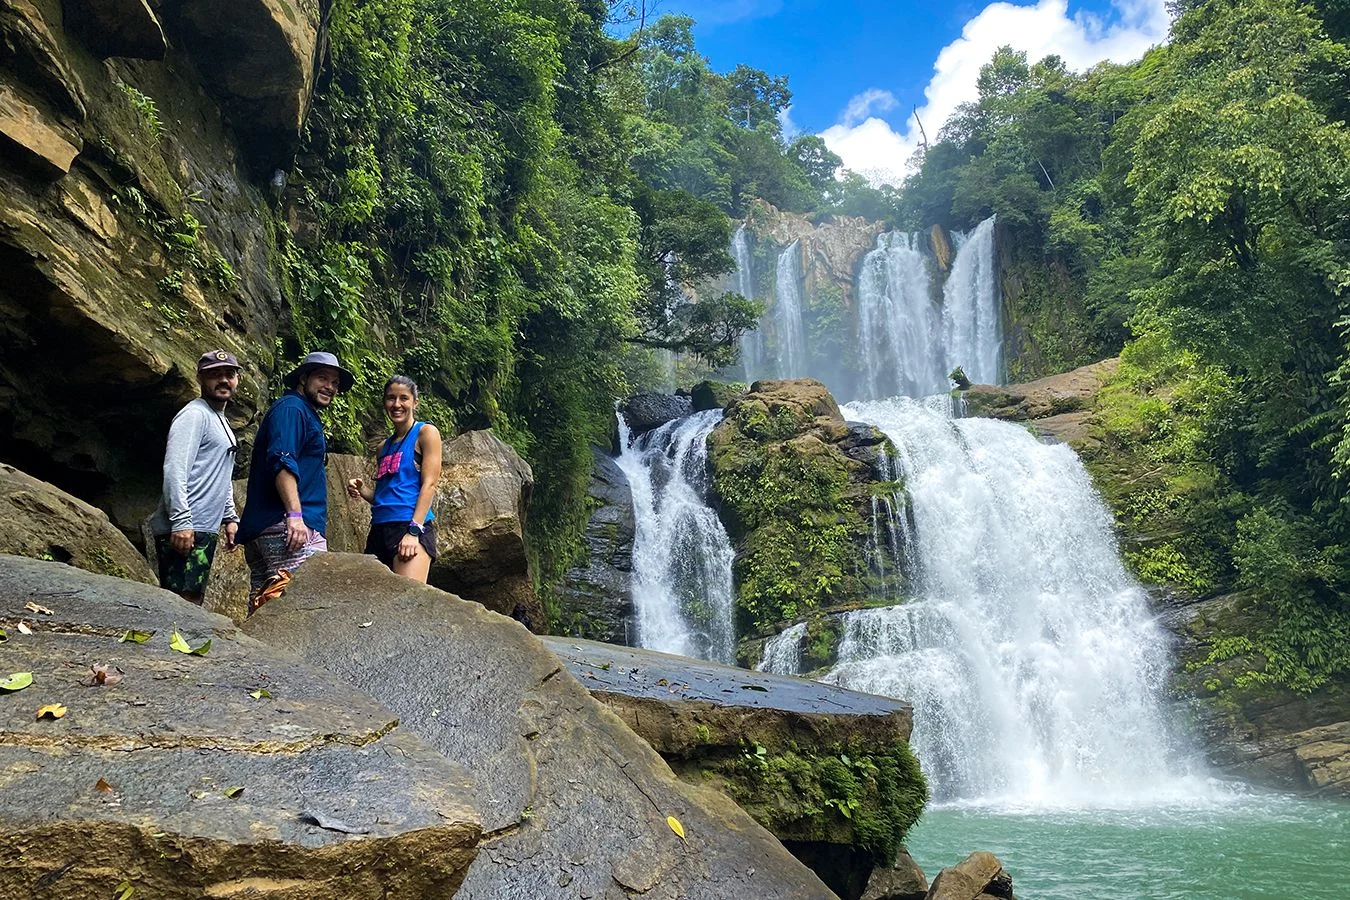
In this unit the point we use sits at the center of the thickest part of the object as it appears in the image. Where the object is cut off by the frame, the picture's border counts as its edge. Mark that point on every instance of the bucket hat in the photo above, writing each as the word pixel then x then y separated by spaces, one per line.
pixel 314 360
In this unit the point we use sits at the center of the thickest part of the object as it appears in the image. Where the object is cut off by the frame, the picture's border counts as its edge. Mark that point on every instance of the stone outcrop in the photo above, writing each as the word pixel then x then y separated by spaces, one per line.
pixel 173 777
pixel 40 521
pixel 646 411
pixel 595 599
pixel 796 484
pixel 827 770
pixel 979 875
pixel 902 879
pixel 480 506
pixel 573 803
pixel 134 234
pixel 1059 406
pixel 714 394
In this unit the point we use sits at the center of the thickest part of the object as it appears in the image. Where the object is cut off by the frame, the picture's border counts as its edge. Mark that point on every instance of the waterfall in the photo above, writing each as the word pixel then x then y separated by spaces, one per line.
pixel 789 333
pixel 972 319
pixel 752 342
pixel 682 590
pixel 783 651
pixel 1030 656
pixel 908 342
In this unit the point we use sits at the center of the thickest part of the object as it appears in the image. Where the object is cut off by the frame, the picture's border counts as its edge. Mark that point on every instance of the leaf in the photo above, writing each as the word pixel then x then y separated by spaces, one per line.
pixel 105 675
pixel 124 891
pixel 177 642
pixel 365 625
pixel 17 681
pixel 40 610
pixel 104 788
pixel 233 791
pixel 135 637
pixel 675 826
pixel 3 637
pixel 51 711
pixel 24 629
pixel 261 694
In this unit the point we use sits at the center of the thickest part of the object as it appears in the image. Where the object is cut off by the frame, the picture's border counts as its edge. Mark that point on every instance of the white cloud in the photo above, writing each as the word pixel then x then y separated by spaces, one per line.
pixel 869 145
pixel 790 129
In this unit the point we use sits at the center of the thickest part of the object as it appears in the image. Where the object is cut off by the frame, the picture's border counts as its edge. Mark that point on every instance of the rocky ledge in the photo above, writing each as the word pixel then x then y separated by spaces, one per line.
pixel 827 770
pixel 235 772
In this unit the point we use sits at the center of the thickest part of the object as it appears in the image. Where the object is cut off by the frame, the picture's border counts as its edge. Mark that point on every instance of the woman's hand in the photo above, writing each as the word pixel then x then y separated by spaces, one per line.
pixel 356 489
pixel 407 547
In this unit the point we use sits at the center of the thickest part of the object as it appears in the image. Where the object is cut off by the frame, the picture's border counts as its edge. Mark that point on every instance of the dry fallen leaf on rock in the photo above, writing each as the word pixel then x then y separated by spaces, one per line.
pixel 34 607
pixel 124 891
pixel 104 675
pixel 261 694
pixel 135 637
pixel 24 629
pixel 365 625
pixel 675 826
pixel 103 787
pixel 233 791
pixel 51 711
pixel 177 642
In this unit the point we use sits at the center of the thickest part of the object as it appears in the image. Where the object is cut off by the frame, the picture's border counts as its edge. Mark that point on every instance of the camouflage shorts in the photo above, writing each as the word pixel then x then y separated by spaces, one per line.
pixel 185 574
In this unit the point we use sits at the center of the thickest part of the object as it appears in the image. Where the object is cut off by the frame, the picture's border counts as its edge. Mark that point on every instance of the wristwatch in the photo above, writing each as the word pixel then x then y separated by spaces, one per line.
pixel 415 530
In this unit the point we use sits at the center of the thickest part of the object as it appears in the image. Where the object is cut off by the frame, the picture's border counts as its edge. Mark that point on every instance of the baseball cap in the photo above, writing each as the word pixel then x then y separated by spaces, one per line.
pixel 216 359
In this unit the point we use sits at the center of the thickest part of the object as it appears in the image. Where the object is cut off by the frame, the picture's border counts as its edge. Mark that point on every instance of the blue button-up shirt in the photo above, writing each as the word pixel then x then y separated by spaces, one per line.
pixel 290 438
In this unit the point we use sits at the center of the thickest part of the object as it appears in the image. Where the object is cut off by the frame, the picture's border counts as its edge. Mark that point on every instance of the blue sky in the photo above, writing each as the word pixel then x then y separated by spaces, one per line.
pixel 857 70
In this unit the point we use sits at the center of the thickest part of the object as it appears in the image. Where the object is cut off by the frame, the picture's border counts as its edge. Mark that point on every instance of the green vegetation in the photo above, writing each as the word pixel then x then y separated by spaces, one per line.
pixel 146 110
pixel 1190 209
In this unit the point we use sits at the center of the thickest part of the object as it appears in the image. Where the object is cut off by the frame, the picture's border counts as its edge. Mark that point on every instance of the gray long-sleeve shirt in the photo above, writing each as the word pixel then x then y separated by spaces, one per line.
pixel 198 467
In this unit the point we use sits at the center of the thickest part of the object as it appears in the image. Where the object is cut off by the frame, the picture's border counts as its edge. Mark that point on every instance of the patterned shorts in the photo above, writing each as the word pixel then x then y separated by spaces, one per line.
pixel 267 553
pixel 186 574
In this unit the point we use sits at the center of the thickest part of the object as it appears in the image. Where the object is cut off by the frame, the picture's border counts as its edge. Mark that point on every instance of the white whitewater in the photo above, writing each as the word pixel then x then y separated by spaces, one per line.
pixel 682 590
pixel 1030 656
pixel 783 651
pixel 788 330
pixel 908 340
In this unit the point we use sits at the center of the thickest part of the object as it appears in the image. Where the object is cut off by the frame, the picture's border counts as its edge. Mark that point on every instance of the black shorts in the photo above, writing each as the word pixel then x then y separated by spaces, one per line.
pixel 384 539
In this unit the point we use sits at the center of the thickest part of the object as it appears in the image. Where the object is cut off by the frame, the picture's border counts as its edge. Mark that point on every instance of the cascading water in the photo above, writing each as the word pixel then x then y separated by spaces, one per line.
pixel 783 651
pixel 1030 656
pixel 972 321
pixel 898 322
pixel 682 590
pixel 789 332
pixel 752 342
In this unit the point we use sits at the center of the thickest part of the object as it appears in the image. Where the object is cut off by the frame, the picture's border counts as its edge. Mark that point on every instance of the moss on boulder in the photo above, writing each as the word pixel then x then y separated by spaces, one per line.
pixel 795 485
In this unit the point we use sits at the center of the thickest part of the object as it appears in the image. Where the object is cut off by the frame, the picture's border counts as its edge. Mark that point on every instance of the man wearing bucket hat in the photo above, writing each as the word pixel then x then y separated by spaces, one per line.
pixel 286 514
pixel 196 504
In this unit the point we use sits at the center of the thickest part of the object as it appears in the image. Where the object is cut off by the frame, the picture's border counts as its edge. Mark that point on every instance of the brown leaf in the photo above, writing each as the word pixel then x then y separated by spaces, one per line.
pixel 104 788
pixel 104 675
pixel 33 607
pixel 51 711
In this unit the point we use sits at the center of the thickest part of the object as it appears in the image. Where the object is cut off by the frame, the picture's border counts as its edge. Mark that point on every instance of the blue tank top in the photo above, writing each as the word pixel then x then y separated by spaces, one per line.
pixel 397 480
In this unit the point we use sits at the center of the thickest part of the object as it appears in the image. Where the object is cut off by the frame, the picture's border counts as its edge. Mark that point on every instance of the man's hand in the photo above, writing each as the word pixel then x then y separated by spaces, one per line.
pixel 407 547
pixel 183 541
pixel 229 531
pixel 297 532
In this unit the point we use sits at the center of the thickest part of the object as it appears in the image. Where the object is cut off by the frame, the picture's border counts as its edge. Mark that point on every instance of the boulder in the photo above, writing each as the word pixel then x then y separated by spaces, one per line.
pixel 261 68
pixel 33 138
pixel 1041 399
pixel 646 411
pixel 827 770
pixel 714 394
pixel 348 519
pixel 978 875
pixel 126 28
pixel 901 880
pixel 941 246
pixel 574 804
pixel 44 522
pixel 179 781
pixel 480 506
pixel 595 597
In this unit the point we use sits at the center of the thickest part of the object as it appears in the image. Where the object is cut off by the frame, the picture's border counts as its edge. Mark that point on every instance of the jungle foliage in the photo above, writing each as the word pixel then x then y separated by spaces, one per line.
pixel 1196 206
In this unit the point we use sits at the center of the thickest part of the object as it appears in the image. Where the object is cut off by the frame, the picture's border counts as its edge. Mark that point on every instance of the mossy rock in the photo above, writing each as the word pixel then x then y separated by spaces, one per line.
pixel 715 394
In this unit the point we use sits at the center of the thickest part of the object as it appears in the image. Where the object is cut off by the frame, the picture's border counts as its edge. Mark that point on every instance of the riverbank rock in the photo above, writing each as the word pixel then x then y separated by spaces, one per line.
pixel 40 521
pixel 827 770
pixel 977 876
pixel 574 804
pixel 646 411
pixel 714 394
pixel 595 599
pixel 796 485
pixel 174 777
pixel 1059 406
pixel 480 506
pixel 901 880
pixel 133 231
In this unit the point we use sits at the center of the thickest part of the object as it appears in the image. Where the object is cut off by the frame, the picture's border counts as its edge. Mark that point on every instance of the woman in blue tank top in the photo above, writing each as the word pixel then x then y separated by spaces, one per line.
pixel 402 525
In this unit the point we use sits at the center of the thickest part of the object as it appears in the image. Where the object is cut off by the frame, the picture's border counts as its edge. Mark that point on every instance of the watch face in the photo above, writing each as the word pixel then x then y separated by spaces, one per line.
pixel 414 531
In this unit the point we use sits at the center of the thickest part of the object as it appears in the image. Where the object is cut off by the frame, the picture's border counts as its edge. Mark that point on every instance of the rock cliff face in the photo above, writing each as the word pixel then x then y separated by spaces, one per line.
pixel 796 485
pixel 134 235
pixel 595 599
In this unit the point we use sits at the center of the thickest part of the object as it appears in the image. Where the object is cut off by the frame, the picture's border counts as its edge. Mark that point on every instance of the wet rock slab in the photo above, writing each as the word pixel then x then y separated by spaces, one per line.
pixel 574 804
pixel 136 782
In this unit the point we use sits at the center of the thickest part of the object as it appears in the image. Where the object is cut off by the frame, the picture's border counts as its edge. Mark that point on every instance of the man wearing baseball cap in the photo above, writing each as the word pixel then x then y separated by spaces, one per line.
pixel 197 502
pixel 286 514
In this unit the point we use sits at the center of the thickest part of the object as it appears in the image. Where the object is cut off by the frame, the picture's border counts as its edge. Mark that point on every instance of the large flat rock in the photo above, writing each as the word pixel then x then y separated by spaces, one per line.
pixel 337 799
pixel 574 804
